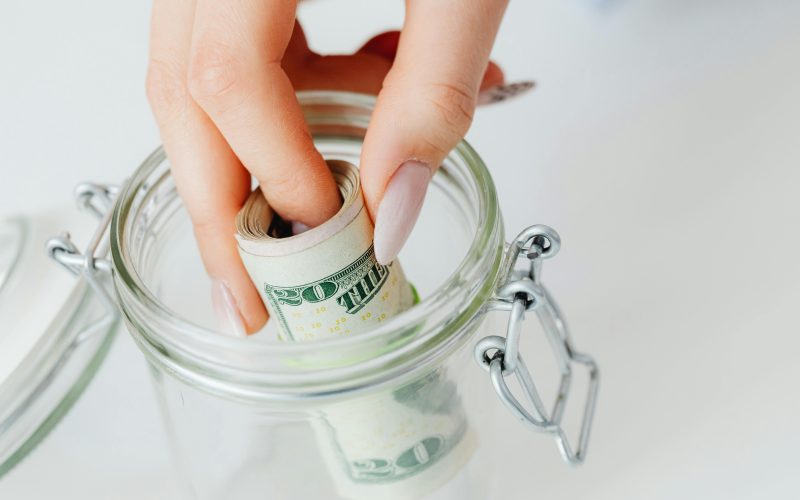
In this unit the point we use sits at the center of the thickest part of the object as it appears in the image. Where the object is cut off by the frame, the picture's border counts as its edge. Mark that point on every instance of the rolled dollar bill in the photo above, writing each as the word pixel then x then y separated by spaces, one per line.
pixel 399 443
pixel 325 281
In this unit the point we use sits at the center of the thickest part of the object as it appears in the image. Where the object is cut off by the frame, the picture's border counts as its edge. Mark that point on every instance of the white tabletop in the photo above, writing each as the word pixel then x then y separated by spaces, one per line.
pixel 662 142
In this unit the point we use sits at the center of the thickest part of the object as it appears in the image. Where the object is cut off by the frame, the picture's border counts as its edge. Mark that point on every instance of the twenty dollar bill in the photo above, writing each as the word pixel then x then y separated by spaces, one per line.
pixel 400 442
pixel 326 281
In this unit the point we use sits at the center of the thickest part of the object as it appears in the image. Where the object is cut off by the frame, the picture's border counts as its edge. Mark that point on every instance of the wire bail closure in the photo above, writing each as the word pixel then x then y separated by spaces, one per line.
pixel 90 264
pixel 518 293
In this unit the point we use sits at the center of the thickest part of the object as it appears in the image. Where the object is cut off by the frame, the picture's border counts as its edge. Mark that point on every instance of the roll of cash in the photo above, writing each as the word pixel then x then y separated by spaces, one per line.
pixel 397 444
pixel 326 282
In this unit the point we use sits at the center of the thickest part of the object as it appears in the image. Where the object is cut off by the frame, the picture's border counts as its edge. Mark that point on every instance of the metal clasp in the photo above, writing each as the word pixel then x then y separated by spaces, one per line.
pixel 520 292
pixel 91 264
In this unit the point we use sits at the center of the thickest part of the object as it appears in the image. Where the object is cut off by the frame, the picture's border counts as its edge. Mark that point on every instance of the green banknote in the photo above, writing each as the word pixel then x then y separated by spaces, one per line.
pixel 326 282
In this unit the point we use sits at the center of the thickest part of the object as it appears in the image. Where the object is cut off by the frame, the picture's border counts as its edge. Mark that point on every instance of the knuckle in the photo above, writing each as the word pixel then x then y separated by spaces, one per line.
pixel 205 225
pixel 212 220
pixel 286 184
pixel 452 105
pixel 214 71
pixel 285 187
pixel 165 86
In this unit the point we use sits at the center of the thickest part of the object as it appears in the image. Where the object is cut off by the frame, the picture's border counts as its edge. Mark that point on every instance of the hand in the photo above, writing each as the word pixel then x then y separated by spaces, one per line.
pixel 222 80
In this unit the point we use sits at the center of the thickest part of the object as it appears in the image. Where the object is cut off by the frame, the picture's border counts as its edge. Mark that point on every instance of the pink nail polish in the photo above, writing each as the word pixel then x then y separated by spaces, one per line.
pixel 299 227
pixel 228 317
pixel 400 208
pixel 504 92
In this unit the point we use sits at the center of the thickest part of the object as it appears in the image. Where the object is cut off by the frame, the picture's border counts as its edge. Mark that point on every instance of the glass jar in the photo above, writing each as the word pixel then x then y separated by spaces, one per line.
pixel 396 412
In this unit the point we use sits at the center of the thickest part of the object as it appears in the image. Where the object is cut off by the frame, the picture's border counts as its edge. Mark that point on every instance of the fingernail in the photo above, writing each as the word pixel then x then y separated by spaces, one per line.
pixel 299 227
pixel 504 92
pixel 400 208
pixel 228 317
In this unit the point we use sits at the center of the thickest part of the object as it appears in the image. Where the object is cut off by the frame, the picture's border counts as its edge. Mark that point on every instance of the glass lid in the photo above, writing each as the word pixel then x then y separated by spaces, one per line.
pixel 54 330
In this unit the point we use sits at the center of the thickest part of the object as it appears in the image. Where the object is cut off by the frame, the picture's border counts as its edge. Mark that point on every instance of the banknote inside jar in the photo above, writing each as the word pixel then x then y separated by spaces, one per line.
pixel 403 441
pixel 325 281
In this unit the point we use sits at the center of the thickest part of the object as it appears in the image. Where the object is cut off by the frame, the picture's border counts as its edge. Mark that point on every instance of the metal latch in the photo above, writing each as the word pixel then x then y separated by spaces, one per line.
pixel 520 292
pixel 91 264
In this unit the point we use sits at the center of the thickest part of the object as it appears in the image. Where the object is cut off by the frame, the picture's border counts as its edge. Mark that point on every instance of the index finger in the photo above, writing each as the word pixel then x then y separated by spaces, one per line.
pixel 208 176
pixel 235 75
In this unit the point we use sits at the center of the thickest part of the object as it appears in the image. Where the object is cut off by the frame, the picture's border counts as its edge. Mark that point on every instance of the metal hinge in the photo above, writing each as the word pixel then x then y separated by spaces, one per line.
pixel 520 292
pixel 91 263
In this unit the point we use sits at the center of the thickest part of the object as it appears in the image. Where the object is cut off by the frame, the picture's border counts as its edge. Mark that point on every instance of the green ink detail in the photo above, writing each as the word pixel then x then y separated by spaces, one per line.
pixel 421 453
pixel 410 462
pixel 320 291
pixel 361 281
pixel 433 394
pixel 376 468
pixel 357 296
pixel 414 294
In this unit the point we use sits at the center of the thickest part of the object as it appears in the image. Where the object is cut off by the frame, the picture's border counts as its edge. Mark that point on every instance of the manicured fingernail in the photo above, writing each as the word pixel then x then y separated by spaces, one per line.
pixel 228 316
pixel 504 92
pixel 400 208
pixel 299 227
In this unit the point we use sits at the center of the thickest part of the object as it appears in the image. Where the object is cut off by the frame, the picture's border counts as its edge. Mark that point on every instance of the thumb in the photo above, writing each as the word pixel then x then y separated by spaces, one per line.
pixel 424 109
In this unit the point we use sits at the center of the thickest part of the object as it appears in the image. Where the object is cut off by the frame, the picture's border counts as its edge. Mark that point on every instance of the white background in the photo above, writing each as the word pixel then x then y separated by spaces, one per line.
pixel 663 141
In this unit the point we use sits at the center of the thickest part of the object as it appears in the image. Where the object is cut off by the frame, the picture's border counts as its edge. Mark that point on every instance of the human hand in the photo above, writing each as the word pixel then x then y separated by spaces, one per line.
pixel 222 79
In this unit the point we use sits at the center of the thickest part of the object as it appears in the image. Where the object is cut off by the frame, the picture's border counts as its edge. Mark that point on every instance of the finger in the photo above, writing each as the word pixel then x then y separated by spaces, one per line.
pixel 494 89
pixel 209 177
pixel 492 77
pixel 362 73
pixel 385 45
pixel 424 109
pixel 235 75
pixel 298 55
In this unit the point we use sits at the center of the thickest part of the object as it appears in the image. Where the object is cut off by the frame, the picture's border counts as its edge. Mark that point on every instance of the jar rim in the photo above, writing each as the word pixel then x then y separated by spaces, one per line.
pixel 198 346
